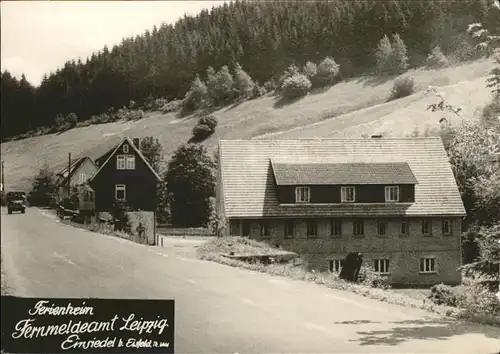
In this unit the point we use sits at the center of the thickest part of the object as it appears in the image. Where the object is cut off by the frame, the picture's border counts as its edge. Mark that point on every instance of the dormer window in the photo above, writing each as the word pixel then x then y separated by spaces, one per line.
pixel 125 149
pixel 347 194
pixel 302 194
pixel 392 193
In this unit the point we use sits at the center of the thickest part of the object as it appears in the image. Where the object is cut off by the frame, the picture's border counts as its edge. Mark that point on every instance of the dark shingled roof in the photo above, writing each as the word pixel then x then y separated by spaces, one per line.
pixel 343 173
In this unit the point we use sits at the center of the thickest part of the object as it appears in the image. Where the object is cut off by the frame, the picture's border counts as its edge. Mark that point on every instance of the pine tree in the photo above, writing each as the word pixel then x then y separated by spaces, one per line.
pixel 400 55
pixel 384 56
pixel 243 82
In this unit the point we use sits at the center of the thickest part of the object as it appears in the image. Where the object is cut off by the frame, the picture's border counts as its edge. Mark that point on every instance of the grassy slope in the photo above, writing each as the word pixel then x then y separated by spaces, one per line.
pixel 350 109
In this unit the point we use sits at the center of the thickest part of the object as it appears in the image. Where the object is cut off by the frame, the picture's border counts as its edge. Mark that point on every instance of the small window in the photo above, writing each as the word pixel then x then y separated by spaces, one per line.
pixel 120 162
pixel 381 266
pixel 382 228
pixel 358 228
pixel 426 228
pixel 392 194
pixel 120 192
pixel 335 265
pixel 335 228
pixel 289 229
pixel 446 227
pixel 264 229
pixel 405 228
pixel 302 195
pixel 312 228
pixel 82 178
pixel 427 265
pixel 347 194
pixel 130 162
pixel 246 228
pixel 125 149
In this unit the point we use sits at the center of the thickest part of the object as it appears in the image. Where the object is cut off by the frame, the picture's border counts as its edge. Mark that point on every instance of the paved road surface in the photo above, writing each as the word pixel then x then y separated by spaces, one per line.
pixel 220 309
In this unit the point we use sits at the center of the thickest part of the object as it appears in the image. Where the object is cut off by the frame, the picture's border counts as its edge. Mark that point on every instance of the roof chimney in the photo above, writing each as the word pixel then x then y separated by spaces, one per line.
pixel 136 142
pixel 376 136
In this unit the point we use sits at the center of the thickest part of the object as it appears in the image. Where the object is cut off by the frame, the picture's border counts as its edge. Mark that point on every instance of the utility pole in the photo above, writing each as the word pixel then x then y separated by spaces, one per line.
pixel 3 179
pixel 69 179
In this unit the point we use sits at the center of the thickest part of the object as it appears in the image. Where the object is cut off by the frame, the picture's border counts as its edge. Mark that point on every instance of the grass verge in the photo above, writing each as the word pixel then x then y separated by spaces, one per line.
pixel 213 250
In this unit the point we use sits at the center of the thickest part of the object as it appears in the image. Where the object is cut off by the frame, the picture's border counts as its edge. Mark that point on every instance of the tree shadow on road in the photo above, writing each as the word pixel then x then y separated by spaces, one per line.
pixel 437 329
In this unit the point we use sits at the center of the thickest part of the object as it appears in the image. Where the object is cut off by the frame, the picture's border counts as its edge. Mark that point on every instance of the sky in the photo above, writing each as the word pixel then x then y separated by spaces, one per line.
pixel 37 37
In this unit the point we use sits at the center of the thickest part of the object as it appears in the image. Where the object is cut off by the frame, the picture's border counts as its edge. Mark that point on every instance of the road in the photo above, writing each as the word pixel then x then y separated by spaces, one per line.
pixel 221 309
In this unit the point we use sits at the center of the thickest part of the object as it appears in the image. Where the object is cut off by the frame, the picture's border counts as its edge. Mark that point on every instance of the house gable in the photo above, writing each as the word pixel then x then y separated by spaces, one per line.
pixel 81 166
pixel 251 184
pixel 131 150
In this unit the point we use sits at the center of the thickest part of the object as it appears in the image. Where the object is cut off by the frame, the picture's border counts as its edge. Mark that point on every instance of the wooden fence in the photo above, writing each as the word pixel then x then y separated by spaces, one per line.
pixel 169 230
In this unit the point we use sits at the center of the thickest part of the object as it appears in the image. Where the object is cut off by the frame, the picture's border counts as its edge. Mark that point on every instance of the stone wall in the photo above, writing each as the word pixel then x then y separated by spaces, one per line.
pixel 403 251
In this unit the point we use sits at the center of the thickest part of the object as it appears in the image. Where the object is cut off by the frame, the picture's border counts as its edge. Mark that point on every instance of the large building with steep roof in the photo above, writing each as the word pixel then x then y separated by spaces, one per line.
pixel 394 200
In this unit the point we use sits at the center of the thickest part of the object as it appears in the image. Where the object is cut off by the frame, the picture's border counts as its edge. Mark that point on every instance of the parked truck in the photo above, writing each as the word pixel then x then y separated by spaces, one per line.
pixel 16 201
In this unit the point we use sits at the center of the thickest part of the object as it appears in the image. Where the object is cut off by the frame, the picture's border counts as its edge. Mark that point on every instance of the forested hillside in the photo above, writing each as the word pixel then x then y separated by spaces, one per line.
pixel 264 37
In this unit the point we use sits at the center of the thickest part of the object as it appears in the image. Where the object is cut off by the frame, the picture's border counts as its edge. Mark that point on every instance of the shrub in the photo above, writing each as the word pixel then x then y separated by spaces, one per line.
pixel 270 86
pixel 71 119
pixel 196 97
pixel 368 277
pixel 291 71
pixel 491 112
pixel 220 85
pixel 172 106
pixel 296 86
pixel 131 105
pixel 258 91
pixel 436 58
pixel 478 301
pixel 135 114
pixel 403 86
pixel 310 70
pixel 156 104
pixel 446 295
pixel 328 72
pixel 121 219
pixel 209 121
pixel 59 121
pixel 201 132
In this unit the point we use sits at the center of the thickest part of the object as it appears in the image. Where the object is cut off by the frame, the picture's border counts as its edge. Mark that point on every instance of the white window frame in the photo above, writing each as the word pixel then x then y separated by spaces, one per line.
pixel 383 265
pixel 389 190
pixel 449 227
pixel 82 178
pixel 344 194
pixel 335 265
pixel 430 265
pixel 125 149
pixel 299 194
pixel 121 162
pixel 130 162
pixel 121 187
